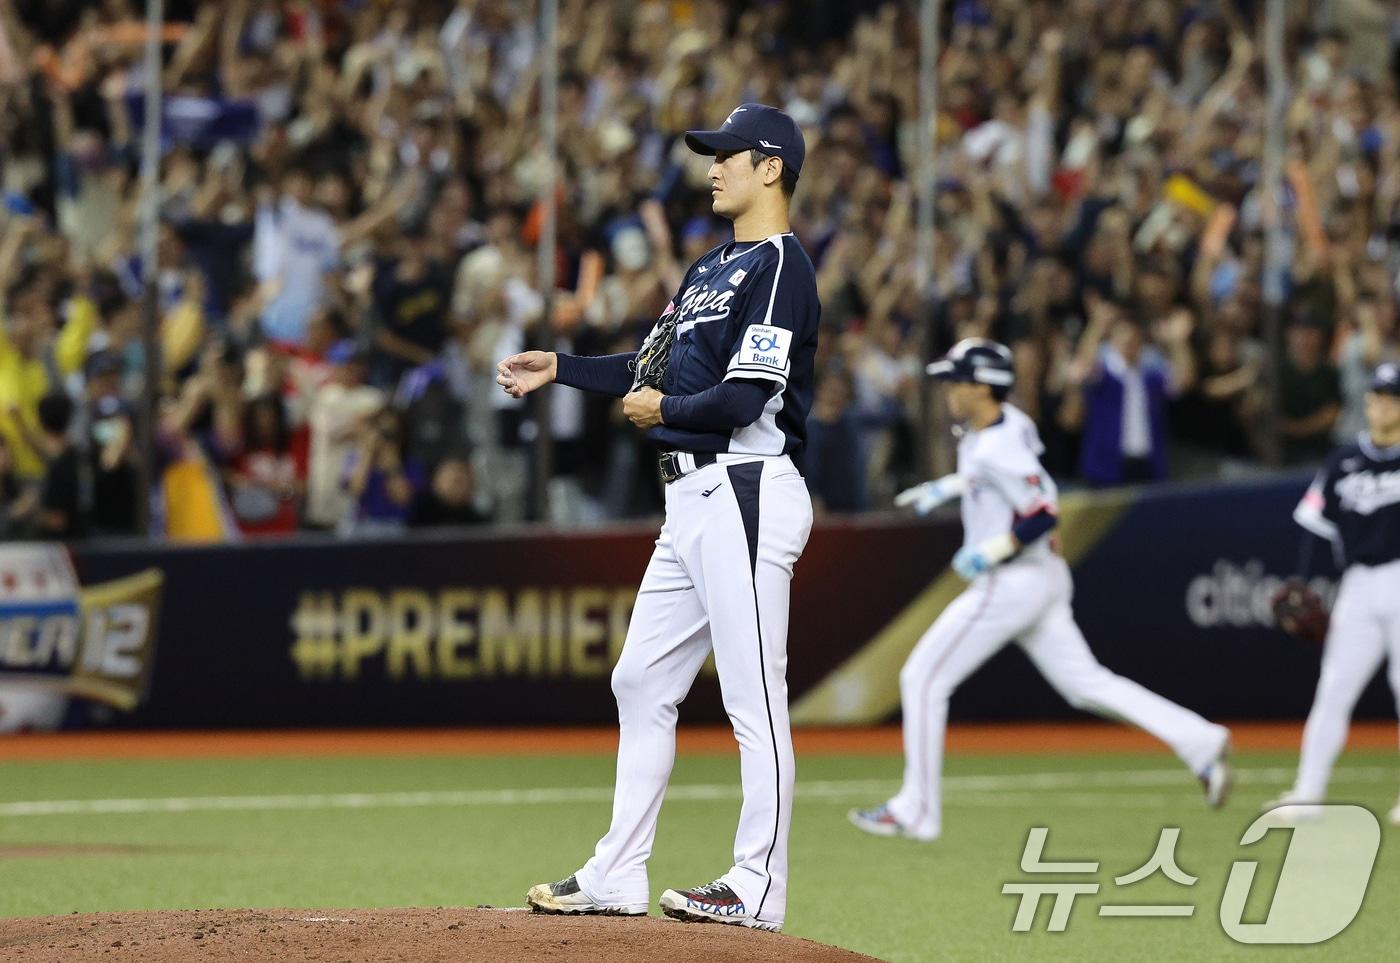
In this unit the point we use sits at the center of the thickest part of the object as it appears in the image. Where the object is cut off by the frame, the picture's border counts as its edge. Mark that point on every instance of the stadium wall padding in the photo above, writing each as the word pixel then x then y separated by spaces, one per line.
pixel 521 626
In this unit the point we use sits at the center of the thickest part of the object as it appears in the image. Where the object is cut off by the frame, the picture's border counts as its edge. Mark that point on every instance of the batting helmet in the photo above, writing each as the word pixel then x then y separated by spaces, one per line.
pixel 977 359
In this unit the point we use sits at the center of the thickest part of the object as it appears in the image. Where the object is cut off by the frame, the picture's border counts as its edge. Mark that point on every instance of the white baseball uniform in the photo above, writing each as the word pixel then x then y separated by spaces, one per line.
pixel 1027 600
pixel 734 518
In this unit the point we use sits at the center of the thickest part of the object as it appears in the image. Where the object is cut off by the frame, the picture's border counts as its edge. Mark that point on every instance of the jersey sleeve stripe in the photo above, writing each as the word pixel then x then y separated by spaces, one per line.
pixel 745 372
pixel 777 273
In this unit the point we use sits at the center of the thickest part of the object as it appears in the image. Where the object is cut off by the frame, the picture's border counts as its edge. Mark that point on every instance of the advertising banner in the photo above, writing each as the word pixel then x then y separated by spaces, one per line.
pixel 522 626
pixel 61 643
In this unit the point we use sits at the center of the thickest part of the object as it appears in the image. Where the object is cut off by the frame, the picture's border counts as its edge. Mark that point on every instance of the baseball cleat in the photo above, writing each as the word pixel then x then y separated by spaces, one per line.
pixel 1295 814
pixel 1290 798
pixel 1291 809
pixel 565 897
pixel 1217 778
pixel 877 821
pixel 712 903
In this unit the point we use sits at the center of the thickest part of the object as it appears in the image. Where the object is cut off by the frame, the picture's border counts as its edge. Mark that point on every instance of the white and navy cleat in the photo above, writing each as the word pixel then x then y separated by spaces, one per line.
pixel 566 898
pixel 712 903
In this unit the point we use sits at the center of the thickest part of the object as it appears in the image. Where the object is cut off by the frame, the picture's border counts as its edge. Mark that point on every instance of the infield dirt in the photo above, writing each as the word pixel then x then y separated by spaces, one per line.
pixel 392 936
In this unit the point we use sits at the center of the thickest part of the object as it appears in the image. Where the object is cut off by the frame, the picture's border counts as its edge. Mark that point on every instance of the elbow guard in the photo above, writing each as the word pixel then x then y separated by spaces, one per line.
pixel 1035 526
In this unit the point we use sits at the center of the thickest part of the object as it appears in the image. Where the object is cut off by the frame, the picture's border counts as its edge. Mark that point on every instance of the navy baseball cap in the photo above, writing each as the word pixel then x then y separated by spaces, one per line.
pixel 1386 380
pixel 754 127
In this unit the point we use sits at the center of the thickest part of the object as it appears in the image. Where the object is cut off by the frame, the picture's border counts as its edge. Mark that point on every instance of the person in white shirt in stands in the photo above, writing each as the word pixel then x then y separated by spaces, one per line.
pixel 336 411
pixel 297 244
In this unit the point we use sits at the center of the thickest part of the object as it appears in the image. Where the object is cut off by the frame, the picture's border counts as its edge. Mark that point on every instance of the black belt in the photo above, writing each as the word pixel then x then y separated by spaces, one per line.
pixel 669 464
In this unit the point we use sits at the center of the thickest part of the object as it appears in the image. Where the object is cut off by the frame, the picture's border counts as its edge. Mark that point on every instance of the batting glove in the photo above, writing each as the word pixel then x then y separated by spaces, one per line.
pixel 926 497
pixel 971 561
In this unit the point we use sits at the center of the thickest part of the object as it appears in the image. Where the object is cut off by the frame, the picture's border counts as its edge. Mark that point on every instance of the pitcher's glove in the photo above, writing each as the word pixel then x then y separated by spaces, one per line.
pixel 649 367
pixel 1299 611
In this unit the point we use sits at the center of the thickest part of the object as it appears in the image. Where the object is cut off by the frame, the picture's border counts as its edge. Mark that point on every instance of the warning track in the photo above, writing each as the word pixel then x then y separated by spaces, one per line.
pixel 1018 739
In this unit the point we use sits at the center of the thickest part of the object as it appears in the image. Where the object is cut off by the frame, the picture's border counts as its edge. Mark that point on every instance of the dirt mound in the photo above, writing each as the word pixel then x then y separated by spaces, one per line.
pixel 391 935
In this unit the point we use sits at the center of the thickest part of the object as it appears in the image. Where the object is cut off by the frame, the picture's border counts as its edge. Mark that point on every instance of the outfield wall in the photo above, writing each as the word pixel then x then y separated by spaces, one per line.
pixel 522 626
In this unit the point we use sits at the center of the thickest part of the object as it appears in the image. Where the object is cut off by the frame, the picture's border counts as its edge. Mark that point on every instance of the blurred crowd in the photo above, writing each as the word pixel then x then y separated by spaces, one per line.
pixel 349 223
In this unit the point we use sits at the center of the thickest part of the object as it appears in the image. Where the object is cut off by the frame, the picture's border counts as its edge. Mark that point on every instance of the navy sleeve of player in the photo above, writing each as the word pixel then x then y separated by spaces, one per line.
pixel 763 348
pixel 726 406
pixel 608 374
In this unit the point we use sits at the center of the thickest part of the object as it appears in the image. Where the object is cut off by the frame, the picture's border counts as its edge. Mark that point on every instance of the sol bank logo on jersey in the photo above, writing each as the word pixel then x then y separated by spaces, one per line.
pixel 765 346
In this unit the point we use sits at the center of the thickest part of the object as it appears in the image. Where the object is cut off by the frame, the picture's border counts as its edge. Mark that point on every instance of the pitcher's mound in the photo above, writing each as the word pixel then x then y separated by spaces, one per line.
pixel 393 936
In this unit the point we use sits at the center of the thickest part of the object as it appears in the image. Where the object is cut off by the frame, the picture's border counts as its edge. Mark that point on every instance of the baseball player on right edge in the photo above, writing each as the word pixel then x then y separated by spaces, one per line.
pixel 1020 591
pixel 1354 503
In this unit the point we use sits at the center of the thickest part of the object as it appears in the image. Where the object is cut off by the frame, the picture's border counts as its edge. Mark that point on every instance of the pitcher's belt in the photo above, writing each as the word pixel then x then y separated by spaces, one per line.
pixel 678 464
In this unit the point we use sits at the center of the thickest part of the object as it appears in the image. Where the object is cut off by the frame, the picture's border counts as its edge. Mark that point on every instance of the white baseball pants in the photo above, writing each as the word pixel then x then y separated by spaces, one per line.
pixel 718 579
pixel 1365 629
pixel 1026 600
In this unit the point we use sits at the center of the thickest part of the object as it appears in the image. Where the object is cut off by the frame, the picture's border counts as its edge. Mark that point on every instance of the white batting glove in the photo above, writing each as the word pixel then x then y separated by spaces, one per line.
pixel 926 497
pixel 971 561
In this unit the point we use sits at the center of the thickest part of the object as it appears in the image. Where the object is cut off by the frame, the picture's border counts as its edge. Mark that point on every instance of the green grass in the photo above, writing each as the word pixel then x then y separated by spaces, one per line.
pixel 893 899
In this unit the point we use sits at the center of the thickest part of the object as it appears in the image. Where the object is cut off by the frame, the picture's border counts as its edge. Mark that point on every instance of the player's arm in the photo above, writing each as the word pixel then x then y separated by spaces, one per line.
pixel 529 371
pixel 1020 480
pixel 726 406
pixel 927 496
pixel 1318 511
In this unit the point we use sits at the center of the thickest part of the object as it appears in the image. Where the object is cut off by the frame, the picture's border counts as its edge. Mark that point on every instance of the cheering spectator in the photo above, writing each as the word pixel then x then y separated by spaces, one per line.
pixel 410 301
pixel 17 500
pixel 337 411
pixel 111 447
pixel 451 498
pixel 1371 342
pixel 268 478
pixel 1218 417
pixel 65 501
pixel 33 359
pixel 1310 391
pixel 381 480
pixel 833 465
pixel 1122 403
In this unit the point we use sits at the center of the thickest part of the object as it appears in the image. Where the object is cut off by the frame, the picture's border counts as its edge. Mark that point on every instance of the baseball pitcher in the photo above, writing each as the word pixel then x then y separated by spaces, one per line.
pixel 722 385
pixel 1020 591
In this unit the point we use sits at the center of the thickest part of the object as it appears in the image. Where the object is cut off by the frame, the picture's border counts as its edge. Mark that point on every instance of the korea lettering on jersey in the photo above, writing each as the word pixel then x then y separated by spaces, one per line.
pixel 700 304
pixel 1358 490
pixel 764 349
pixel 1365 492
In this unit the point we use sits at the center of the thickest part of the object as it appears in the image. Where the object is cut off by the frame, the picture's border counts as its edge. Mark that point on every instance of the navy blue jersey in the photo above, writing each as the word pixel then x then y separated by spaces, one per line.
pixel 746 311
pixel 1355 502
